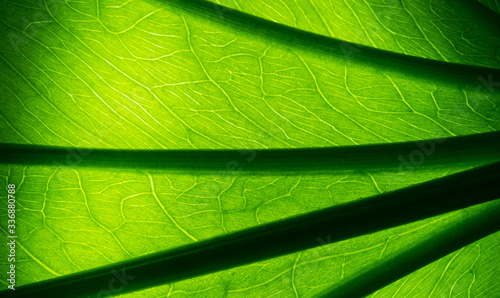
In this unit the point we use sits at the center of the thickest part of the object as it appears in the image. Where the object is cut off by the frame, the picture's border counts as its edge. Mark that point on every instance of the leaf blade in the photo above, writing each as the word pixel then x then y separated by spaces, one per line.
pixel 349 215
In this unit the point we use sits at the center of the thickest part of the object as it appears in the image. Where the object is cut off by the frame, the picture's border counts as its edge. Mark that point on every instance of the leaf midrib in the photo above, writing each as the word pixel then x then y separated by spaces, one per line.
pixel 484 147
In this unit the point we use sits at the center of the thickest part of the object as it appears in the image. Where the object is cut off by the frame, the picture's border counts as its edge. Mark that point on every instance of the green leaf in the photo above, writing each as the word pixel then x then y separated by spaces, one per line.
pixel 492 4
pixel 164 77
pixel 356 218
pixel 454 275
pixel 122 123
pixel 453 31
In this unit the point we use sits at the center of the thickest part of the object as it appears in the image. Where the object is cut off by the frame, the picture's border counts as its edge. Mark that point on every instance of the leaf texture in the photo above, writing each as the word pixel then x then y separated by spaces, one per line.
pixel 133 127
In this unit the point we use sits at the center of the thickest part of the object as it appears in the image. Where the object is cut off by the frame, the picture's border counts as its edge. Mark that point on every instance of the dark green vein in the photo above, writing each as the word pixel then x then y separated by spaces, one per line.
pixel 324 45
pixel 440 245
pixel 406 155
pixel 283 237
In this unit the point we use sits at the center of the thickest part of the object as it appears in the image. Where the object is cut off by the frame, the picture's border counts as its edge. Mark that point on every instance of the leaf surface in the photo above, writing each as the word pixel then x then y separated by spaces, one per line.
pixel 492 4
pixel 164 77
pixel 180 75
pixel 453 31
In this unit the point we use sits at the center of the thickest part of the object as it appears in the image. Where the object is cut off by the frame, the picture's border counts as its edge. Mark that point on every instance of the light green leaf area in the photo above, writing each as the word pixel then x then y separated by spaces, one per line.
pixel 72 219
pixel 443 30
pixel 137 74
pixel 492 4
